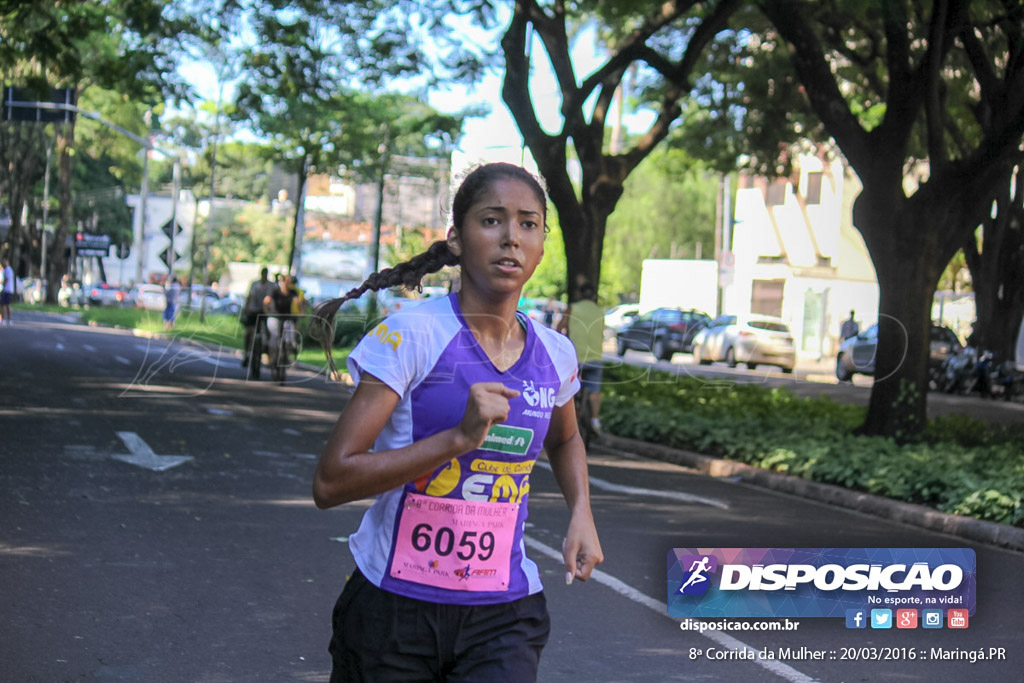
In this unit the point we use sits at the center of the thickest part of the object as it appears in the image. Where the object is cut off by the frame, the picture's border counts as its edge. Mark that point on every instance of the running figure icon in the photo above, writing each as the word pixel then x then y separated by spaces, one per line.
pixel 697 570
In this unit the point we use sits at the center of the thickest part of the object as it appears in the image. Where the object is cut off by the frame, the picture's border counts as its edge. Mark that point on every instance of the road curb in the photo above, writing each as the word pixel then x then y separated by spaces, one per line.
pixel 992 533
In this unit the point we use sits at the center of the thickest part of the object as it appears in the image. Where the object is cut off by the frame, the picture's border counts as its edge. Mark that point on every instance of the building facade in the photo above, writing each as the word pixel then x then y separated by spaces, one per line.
pixel 796 255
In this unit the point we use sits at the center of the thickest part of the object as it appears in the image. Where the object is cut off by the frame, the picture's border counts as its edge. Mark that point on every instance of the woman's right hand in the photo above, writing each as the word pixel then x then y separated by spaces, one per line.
pixel 486 406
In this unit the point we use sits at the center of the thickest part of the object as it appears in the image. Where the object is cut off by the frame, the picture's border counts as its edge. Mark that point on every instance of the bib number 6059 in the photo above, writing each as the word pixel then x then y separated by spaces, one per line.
pixel 470 543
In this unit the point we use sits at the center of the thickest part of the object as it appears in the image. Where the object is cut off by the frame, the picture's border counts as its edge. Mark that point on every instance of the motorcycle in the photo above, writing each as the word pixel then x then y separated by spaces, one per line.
pixel 959 372
pixel 976 370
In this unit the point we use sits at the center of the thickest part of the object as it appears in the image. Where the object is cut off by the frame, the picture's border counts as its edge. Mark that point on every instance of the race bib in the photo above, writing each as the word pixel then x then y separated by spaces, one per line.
pixel 455 544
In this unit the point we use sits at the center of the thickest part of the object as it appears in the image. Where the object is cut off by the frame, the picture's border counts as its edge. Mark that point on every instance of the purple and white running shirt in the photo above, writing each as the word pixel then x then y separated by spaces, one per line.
pixel 455 535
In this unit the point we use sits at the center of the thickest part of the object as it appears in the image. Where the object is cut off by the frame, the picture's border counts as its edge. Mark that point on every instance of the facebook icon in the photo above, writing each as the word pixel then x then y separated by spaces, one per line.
pixel 856 618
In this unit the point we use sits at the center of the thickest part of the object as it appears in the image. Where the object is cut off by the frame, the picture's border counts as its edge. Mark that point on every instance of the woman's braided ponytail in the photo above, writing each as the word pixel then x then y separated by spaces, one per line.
pixel 407 274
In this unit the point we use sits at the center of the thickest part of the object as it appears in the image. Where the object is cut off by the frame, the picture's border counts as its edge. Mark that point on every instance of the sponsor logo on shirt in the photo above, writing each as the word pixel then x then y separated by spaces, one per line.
pixel 543 397
pixel 507 439
pixel 385 336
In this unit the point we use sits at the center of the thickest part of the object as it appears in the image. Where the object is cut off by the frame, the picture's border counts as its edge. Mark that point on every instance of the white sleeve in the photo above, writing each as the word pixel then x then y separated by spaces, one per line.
pixel 393 352
pixel 563 355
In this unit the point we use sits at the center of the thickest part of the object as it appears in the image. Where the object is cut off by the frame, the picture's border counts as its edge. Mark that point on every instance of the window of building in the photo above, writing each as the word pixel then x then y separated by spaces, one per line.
pixel 776 194
pixel 766 298
pixel 814 187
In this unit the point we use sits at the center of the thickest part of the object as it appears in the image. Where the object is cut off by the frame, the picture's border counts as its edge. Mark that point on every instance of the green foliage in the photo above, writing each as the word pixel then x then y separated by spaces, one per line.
pixel 549 279
pixel 668 207
pixel 253 234
pixel 962 467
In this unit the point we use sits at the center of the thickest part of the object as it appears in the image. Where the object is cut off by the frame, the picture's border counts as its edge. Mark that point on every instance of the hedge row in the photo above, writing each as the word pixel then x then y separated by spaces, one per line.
pixel 961 466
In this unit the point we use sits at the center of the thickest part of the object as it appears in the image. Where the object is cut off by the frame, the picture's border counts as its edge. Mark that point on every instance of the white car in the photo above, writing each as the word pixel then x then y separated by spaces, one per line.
pixel 752 339
pixel 149 297
pixel 617 317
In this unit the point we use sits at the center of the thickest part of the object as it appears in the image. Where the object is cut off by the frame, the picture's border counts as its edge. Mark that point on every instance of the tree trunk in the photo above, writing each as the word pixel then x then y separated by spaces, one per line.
pixel 299 223
pixel 997 272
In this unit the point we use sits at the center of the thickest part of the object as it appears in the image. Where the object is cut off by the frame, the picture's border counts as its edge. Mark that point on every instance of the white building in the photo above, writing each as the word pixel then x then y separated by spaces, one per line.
pixel 148 263
pixel 797 255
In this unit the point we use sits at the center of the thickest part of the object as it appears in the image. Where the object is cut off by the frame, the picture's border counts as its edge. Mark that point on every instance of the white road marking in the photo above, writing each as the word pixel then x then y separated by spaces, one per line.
pixel 637 491
pixel 778 668
pixel 217 411
pixel 122 360
pixel 90 348
pixel 60 347
pixel 142 455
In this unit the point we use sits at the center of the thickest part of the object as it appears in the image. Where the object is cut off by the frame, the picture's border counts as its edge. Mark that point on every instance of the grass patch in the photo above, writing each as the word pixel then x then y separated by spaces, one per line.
pixel 962 466
pixel 220 330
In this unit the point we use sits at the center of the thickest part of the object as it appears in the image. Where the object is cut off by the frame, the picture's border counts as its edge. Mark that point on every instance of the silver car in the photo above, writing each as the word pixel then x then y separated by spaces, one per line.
pixel 753 339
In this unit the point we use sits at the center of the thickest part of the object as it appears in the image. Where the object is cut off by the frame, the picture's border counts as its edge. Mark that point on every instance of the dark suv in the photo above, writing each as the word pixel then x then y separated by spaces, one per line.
pixel 663 331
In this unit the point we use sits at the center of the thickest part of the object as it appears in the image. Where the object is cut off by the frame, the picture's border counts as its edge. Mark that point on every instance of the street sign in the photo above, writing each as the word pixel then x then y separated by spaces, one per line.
pixel 89 244
pixel 727 268
pixel 24 104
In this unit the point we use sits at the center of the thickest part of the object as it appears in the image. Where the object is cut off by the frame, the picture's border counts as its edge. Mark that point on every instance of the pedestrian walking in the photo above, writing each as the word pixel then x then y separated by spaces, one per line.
pixel 454 400
pixel 171 292
pixel 583 323
pixel 6 293
pixel 252 313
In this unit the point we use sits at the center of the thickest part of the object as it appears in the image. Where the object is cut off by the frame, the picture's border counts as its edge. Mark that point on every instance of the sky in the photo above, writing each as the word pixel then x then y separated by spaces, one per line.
pixel 494 137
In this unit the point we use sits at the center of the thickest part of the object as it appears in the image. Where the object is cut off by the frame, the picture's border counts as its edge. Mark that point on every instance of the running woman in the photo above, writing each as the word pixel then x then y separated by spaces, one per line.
pixel 454 400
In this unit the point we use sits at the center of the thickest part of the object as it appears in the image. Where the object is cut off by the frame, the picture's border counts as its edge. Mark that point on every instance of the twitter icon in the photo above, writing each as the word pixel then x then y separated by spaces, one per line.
pixel 881 618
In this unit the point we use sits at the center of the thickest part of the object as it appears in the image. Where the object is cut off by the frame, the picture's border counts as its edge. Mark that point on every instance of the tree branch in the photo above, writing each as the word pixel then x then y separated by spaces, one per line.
pixel 932 66
pixel 819 83
pixel 515 89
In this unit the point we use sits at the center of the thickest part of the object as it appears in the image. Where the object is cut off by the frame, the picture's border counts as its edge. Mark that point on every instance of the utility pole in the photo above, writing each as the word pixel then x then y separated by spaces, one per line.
pixel 46 213
pixel 140 229
pixel 172 255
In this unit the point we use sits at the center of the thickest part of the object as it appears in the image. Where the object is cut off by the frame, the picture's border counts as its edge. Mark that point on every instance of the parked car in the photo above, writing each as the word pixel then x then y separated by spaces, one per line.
pixel 663 331
pixel 537 308
pixel 752 339
pixel 226 306
pixel 196 296
pixel 149 297
pixel 857 354
pixel 617 317
pixel 103 294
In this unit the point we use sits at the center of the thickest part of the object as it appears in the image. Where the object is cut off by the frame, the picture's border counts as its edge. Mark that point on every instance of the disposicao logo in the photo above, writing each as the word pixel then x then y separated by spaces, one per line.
pixel 696 581
pixel 819 582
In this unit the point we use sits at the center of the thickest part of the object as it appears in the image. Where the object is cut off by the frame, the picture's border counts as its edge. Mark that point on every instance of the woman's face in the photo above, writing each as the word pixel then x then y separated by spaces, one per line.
pixel 501 239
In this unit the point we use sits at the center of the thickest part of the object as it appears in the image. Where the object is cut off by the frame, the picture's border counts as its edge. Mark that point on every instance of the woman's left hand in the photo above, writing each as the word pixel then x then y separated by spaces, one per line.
pixel 581 550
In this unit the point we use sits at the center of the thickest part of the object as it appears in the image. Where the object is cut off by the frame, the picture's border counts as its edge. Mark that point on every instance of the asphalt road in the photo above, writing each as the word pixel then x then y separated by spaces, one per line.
pixel 221 569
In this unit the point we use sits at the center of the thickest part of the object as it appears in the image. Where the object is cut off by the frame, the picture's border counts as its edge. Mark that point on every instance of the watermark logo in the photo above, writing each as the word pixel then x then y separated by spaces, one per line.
pixel 957 618
pixel 906 618
pixel 696 581
pixel 856 618
pixel 881 618
pixel 820 582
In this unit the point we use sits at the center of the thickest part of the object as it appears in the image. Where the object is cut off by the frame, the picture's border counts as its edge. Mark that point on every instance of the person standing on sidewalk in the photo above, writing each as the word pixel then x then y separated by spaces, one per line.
pixel 454 400
pixel 583 322
pixel 7 293
pixel 850 328
pixel 171 292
